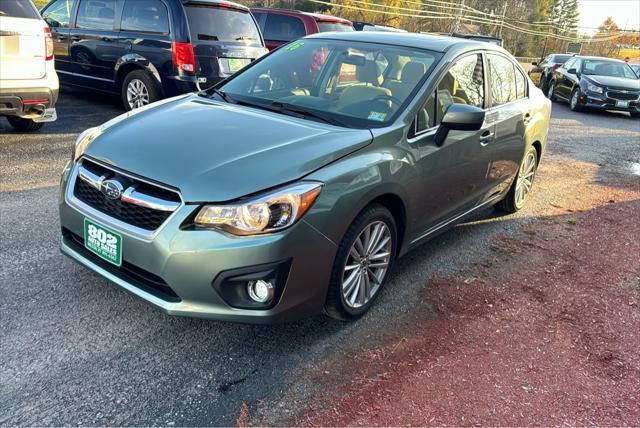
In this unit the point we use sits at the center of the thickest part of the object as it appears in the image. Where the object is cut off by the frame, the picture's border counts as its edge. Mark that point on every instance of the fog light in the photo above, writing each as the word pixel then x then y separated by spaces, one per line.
pixel 260 291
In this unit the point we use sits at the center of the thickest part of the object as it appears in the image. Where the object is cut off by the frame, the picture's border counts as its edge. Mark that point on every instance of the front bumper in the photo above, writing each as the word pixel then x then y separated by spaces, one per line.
pixel 603 102
pixel 188 261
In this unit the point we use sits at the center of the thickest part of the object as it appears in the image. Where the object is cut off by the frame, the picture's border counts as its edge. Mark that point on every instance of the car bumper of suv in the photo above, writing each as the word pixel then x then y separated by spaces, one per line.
pixel 26 102
pixel 184 271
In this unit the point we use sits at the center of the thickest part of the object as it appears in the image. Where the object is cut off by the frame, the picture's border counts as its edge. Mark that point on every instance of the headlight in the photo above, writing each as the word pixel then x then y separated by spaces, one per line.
pixel 85 137
pixel 593 88
pixel 266 213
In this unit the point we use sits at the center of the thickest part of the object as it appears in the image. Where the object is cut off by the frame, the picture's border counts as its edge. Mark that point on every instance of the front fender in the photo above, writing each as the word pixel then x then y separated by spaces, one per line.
pixel 353 182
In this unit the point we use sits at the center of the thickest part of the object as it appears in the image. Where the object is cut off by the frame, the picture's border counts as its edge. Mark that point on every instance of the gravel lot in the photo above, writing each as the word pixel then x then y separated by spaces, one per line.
pixel 77 350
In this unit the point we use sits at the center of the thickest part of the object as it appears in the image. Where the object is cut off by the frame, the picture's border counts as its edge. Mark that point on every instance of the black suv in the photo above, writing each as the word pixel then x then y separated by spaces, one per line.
pixel 145 50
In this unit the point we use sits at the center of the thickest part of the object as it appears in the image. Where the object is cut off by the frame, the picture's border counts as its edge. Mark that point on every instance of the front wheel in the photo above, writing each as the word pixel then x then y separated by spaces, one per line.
pixel 517 196
pixel 551 92
pixel 24 125
pixel 575 104
pixel 362 264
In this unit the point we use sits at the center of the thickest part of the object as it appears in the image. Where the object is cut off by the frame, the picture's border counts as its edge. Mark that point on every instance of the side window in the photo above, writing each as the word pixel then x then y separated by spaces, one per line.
pixel 463 84
pixel 503 79
pixel 96 14
pixel 521 85
pixel 567 65
pixel 283 27
pixel 58 14
pixel 146 16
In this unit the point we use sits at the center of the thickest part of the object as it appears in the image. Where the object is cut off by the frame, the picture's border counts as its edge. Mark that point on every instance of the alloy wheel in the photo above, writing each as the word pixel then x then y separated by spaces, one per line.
pixel 137 94
pixel 525 179
pixel 367 264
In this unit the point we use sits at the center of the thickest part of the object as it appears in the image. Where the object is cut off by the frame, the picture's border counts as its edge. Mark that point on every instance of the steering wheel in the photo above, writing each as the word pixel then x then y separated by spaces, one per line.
pixel 391 98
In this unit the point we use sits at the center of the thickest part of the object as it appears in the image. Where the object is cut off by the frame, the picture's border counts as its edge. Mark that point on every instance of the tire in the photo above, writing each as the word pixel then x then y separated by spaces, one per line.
pixel 574 101
pixel 143 90
pixel 551 90
pixel 544 84
pixel 346 301
pixel 514 201
pixel 635 114
pixel 24 125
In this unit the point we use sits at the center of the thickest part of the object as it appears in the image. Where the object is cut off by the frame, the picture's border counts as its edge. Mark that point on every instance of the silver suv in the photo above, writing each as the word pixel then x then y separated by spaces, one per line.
pixel 28 79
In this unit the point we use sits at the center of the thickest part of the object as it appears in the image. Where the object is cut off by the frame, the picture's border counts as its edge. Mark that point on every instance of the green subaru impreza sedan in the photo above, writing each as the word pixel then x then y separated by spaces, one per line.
pixel 292 187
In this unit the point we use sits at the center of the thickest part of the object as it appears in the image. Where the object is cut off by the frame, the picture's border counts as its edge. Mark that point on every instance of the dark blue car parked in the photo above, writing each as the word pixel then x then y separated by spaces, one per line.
pixel 145 50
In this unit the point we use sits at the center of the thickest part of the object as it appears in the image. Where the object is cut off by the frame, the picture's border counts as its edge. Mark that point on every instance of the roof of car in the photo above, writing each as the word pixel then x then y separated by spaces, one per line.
pixel 599 58
pixel 316 16
pixel 413 40
pixel 218 3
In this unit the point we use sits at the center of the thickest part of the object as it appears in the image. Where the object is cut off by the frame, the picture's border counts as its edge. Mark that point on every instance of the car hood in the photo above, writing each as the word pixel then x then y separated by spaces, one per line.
pixel 213 151
pixel 615 82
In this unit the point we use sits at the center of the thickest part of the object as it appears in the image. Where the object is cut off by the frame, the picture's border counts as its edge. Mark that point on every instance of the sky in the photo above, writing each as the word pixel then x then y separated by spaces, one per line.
pixel 594 12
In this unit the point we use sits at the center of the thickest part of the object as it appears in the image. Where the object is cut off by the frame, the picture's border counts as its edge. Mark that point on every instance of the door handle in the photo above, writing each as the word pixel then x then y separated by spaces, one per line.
pixel 486 137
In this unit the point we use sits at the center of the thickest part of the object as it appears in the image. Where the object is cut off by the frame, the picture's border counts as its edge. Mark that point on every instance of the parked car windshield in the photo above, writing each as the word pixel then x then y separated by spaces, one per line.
pixel 359 84
pixel 223 24
pixel 607 68
pixel 325 26
pixel 560 59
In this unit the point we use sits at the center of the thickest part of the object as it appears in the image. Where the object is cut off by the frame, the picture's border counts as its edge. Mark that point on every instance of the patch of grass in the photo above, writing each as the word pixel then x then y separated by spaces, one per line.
pixel 506 246
pixel 572 221
pixel 40 3
pixel 529 229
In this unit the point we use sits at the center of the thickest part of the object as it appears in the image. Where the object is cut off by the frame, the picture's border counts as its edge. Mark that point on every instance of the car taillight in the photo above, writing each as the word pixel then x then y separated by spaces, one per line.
pixel 183 56
pixel 48 43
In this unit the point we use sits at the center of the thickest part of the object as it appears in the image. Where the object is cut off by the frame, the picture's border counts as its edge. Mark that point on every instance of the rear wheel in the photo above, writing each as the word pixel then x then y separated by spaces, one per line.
pixel 138 90
pixel 635 114
pixel 574 104
pixel 363 262
pixel 25 125
pixel 517 196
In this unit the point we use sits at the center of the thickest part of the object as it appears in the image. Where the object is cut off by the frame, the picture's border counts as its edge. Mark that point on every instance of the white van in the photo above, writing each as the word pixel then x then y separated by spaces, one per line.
pixel 28 79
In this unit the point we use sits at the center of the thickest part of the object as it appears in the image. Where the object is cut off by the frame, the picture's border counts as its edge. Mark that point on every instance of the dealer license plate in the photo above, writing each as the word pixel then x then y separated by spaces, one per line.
pixel 105 243
pixel 622 104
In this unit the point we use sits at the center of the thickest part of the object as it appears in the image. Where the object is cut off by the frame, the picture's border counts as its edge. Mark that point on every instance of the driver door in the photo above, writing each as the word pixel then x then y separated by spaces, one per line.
pixel 452 176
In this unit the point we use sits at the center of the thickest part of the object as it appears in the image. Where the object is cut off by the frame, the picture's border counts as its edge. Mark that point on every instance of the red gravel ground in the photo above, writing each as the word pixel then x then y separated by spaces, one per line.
pixel 546 331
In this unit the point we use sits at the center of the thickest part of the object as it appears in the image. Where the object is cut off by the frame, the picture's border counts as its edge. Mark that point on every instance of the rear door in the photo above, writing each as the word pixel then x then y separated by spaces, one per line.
pixel 58 16
pixel 224 39
pixel 22 41
pixel 508 114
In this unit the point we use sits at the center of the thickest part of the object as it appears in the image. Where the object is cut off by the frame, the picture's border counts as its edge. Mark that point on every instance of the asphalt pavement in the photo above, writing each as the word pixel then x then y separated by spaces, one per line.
pixel 78 350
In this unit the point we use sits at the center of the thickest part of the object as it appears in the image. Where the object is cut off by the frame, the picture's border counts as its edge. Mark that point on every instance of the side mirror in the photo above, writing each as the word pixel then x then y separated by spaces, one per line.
pixel 572 71
pixel 459 117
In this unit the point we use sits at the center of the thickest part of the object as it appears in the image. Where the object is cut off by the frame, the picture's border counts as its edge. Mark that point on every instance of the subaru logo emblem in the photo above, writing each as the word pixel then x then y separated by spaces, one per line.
pixel 112 189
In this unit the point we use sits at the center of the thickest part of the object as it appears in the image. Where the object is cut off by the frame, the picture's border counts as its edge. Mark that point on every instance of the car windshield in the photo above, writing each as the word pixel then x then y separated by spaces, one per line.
pixel 560 59
pixel 607 68
pixel 356 84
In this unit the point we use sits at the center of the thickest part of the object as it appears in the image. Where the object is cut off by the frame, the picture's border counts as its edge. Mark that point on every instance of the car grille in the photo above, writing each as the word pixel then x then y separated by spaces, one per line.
pixel 128 272
pixel 133 210
pixel 623 96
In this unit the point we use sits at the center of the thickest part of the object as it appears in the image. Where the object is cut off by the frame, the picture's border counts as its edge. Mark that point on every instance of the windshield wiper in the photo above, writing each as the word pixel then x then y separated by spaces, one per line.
pixel 284 107
pixel 222 94
pixel 207 37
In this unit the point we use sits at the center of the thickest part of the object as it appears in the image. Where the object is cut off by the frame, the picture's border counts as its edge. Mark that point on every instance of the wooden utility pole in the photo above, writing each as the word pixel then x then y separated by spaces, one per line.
pixel 504 14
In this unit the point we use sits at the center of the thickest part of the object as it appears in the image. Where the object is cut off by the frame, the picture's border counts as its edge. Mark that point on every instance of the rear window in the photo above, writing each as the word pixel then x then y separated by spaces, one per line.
pixel 18 9
pixel 326 26
pixel 283 28
pixel 149 16
pixel 224 24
